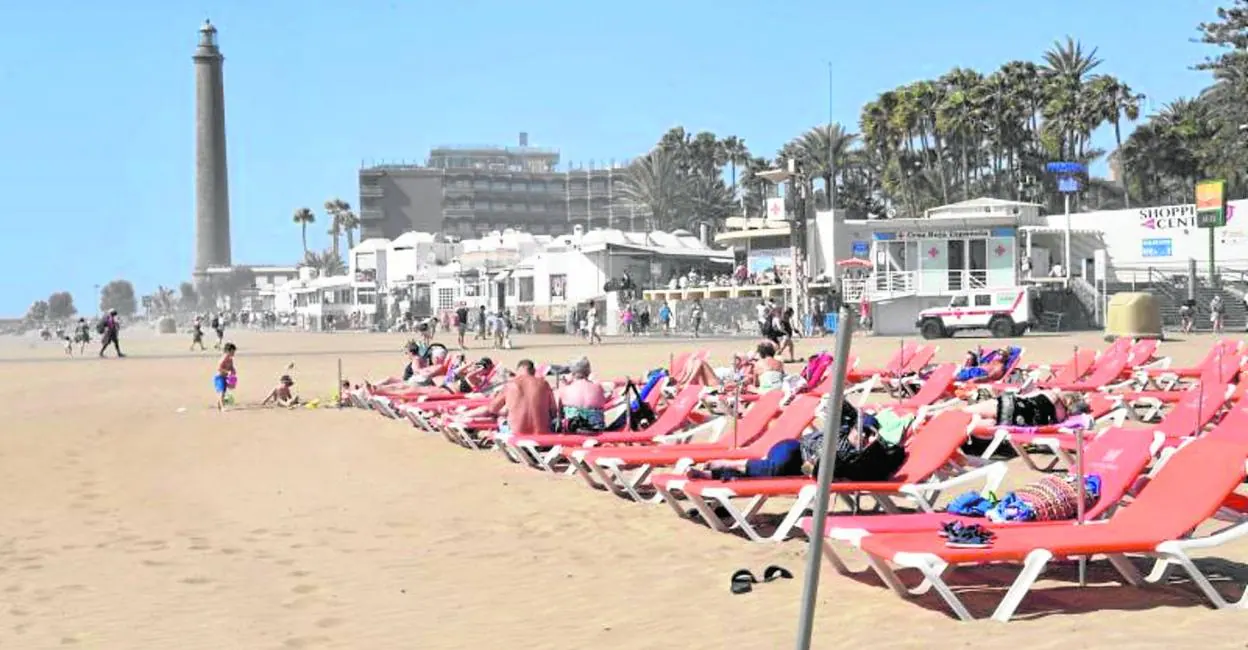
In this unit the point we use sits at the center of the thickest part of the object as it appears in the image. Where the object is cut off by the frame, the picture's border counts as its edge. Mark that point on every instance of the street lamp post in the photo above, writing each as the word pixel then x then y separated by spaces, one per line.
pixel 1067 183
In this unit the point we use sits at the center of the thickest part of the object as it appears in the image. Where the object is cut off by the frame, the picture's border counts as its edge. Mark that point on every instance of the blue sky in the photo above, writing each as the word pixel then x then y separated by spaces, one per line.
pixel 96 99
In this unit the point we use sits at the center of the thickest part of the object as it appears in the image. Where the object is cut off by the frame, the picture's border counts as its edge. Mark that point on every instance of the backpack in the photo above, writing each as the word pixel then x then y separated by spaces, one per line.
pixel 101 325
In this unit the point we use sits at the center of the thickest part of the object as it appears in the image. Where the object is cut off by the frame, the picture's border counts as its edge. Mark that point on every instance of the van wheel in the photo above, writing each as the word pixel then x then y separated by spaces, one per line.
pixel 1001 327
pixel 932 329
pixel 1020 330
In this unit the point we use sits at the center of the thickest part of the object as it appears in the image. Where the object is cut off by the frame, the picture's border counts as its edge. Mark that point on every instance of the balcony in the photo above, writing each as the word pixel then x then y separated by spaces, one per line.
pixel 371 191
pixel 368 214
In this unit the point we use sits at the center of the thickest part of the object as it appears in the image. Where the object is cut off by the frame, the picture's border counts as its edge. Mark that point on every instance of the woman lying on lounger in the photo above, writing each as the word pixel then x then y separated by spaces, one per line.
pixel 425 365
pixel 800 456
pixel 1041 408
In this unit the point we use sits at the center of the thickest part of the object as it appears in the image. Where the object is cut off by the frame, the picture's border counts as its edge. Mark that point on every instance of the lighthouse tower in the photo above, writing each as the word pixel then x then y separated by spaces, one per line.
pixel 212 190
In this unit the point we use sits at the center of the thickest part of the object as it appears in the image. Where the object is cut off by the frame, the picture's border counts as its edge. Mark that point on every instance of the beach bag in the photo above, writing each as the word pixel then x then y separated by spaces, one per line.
pixel 639 415
pixel 101 325
pixel 877 461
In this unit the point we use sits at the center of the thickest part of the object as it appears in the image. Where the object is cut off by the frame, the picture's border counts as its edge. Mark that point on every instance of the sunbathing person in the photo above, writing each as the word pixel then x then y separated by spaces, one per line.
pixel 760 371
pixel 1041 408
pixel 425 367
pixel 467 378
pixel 581 401
pixel 986 368
pixel 527 402
pixel 283 394
pixel 800 456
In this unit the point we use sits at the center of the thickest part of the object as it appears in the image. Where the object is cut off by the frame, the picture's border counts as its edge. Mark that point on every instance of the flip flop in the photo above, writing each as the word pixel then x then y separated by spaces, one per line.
pixel 775 572
pixel 743 582
pixel 971 536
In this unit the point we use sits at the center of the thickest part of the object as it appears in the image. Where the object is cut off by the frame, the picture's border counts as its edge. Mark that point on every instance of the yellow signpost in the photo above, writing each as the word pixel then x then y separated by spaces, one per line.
pixel 1211 213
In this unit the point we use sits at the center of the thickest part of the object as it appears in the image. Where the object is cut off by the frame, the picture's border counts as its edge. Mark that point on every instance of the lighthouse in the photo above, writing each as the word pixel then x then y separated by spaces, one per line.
pixel 212 190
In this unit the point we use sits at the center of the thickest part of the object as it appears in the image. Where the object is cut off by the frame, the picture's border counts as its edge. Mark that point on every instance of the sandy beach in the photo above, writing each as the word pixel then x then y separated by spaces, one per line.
pixel 136 516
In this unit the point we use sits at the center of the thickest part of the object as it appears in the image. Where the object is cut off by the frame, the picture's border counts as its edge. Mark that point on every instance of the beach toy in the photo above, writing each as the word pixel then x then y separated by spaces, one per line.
pixel 231 381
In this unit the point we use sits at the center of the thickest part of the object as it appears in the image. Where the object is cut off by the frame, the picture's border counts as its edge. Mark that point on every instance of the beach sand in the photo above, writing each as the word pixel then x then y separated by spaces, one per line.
pixel 136 516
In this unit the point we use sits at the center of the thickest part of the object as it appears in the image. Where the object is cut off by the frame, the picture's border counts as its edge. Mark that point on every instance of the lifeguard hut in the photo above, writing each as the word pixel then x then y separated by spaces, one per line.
pixel 918 263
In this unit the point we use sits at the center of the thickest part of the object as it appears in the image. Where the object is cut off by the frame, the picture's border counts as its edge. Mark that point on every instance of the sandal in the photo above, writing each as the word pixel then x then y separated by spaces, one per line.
pixel 969 536
pixel 743 582
pixel 775 572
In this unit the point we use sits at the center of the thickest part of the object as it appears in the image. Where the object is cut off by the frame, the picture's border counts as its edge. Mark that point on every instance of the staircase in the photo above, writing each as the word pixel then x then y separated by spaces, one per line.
pixel 1060 300
pixel 1171 297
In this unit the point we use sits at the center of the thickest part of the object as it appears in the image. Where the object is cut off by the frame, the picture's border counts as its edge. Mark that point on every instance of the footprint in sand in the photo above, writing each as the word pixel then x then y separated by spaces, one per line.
pixel 305 589
pixel 299 574
pixel 286 562
pixel 231 551
pixel 329 622
pixel 305 641
pixel 195 580
pixel 260 531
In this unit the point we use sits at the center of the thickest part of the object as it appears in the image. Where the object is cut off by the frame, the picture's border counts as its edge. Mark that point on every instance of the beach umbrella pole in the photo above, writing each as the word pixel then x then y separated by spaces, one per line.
pixel 338 386
pixel 1080 502
pixel 831 429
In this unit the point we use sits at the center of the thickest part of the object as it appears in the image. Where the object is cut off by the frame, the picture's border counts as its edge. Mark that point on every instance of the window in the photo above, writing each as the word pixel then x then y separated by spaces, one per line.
pixel 511 287
pixel 983 300
pixel 365 297
pixel 481 184
pixel 558 287
pixel 526 289
pixel 446 297
pixel 958 301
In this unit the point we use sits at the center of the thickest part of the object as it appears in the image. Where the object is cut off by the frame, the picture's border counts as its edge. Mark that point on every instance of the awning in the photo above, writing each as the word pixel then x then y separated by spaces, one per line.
pixel 743 235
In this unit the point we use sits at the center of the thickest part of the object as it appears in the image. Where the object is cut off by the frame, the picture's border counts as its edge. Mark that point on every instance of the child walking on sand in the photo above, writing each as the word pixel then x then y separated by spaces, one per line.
pixel 226 377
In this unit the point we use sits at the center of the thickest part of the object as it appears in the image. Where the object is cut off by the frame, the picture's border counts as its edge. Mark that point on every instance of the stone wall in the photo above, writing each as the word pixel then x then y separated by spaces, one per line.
pixel 720 316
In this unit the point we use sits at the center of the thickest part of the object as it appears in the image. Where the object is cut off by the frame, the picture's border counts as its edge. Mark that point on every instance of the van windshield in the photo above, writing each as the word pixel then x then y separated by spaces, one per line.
pixel 958 301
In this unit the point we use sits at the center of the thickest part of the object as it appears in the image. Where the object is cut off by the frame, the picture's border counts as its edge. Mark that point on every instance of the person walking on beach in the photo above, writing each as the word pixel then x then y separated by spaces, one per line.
pixel 461 325
pixel 82 336
pixel 110 329
pixel 482 324
pixel 1216 309
pixel 591 319
pixel 218 325
pixel 665 318
pixel 197 334
pixel 695 315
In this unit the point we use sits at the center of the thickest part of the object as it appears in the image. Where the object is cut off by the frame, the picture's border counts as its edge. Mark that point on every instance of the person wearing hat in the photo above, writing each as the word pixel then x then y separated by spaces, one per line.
pixel 283 394
pixel 110 328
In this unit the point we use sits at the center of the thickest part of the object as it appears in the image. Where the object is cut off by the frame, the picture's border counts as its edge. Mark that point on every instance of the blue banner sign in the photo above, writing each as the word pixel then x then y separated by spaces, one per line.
pixel 1158 247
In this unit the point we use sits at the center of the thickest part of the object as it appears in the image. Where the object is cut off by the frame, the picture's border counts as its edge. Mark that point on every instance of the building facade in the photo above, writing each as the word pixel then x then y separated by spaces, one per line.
pixel 470 191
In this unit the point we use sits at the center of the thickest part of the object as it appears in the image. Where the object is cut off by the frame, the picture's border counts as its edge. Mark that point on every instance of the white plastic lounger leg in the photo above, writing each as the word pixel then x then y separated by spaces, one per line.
pixel 671 493
pixel 1033 567
pixel 1176 553
pixel 707 512
pixel 584 470
pixel 805 497
pixel 1122 564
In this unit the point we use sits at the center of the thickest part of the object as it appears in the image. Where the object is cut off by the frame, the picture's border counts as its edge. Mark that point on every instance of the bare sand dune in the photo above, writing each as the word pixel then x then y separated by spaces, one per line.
pixel 135 516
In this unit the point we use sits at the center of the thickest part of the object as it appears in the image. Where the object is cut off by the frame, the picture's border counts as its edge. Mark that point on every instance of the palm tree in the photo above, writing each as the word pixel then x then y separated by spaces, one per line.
pixel 823 151
pixel 656 181
pixel 350 221
pixel 327 263
pixel 304 217
pixel 1117 101
pixel 735 153
pixel 334 208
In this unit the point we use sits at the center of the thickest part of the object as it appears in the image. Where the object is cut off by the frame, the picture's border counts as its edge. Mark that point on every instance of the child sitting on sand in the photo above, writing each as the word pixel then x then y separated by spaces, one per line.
pixel 283 394
pixel 226 377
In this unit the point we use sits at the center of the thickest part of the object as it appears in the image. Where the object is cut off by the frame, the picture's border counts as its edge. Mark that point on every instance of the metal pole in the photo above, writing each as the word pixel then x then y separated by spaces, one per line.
pixel 1079 503
pixel 831 150
pixel 1066 198
pixel 1213 271
pixel 831 430
pixel 736 413
pixel 338 389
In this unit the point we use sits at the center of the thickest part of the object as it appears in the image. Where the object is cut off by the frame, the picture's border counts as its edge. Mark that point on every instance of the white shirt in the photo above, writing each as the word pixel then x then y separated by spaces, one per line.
pixel 761 310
